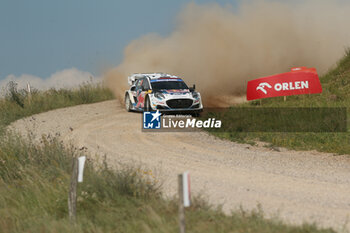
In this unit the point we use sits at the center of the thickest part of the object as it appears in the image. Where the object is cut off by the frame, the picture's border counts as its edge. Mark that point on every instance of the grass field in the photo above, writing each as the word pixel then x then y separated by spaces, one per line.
pixel 336 93
pixel 34 181
pixel 19 103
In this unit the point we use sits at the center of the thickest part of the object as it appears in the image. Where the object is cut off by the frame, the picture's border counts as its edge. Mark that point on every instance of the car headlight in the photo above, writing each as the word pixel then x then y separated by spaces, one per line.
pixel 195 95
pixel 159 95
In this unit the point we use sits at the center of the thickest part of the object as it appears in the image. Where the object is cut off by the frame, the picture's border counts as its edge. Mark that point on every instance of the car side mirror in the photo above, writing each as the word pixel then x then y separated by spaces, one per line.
pixel 192 89
pixel 132 88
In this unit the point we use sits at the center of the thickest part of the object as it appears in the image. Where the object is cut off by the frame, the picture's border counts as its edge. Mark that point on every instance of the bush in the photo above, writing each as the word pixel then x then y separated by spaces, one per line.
pixel 14 95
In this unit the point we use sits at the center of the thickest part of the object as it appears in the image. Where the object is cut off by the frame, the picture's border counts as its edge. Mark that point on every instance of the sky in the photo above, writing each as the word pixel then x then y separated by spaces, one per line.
pixel 43 37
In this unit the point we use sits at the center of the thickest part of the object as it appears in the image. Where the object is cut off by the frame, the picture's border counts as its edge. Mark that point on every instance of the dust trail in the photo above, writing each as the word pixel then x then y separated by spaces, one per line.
pixel 221 48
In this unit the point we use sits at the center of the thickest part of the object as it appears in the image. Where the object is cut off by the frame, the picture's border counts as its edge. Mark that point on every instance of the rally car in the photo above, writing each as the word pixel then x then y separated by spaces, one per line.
pixel 163 92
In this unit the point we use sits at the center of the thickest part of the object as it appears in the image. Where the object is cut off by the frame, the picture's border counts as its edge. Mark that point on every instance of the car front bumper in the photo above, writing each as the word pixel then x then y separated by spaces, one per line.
pixel 163 105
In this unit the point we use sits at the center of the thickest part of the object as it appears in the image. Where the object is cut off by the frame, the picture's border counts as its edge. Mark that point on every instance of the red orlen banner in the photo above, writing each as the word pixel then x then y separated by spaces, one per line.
pixel 299 81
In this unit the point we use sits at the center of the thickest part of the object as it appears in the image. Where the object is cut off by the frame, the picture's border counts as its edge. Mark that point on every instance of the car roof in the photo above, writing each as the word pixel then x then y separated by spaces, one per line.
pixel 166 79
pixel 152 76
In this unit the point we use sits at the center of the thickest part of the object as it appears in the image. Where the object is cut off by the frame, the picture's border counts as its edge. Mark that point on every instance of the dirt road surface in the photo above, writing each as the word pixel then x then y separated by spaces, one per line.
pixel 297 186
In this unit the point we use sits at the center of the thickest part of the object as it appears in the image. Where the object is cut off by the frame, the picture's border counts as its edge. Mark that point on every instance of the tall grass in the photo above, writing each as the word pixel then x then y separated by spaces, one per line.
pixel 34 183
pixel 34 180
pixel 19 103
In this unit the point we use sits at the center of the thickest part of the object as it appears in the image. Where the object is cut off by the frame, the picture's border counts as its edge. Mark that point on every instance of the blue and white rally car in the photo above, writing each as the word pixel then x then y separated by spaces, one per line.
pixel 163 92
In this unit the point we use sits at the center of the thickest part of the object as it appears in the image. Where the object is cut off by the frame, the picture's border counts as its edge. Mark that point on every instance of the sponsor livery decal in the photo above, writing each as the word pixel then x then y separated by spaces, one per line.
pixel 175 91
pixel 299 81
pixel 166 80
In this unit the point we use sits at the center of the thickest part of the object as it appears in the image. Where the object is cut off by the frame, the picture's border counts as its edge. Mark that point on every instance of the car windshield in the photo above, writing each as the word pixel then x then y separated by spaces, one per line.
pixel 168 85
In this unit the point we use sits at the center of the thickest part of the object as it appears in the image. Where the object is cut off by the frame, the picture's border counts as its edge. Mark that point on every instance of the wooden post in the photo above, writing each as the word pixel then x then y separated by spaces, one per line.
pixel 182 225
pixel 72 195
pixel 29 90
pixel 285 98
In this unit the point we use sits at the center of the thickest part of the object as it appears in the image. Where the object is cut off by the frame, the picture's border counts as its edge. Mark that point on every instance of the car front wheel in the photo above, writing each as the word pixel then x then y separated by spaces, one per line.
pixel 147 106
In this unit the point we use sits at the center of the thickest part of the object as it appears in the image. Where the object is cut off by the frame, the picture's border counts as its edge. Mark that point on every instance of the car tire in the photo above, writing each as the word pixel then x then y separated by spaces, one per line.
pixel 127 103
pixel 147 105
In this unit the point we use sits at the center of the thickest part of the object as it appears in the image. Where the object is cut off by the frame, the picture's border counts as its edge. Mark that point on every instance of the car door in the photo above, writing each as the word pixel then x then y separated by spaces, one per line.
pixel 134 91
pixel 145 86
pixel 140 93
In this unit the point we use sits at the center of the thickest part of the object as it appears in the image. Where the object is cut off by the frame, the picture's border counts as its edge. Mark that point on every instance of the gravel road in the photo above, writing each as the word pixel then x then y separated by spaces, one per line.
pixel 297 186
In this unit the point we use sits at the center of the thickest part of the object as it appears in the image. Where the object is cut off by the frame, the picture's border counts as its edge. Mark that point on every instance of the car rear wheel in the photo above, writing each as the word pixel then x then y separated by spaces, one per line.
pixel 127 103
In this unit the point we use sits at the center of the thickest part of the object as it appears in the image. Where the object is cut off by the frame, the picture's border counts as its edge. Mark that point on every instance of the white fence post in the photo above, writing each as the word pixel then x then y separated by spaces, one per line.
pixel 29 90
pixel 77 176
pixel 72 195
pixel 184 198
pixel 81 168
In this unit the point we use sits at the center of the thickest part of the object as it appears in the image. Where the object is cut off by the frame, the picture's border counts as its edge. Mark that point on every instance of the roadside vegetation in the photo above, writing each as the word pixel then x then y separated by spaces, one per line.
pixel 17 103
pixel 336 93
pixel 34 181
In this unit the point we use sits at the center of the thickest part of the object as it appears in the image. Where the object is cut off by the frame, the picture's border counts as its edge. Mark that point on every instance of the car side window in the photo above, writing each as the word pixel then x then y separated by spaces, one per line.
pixel 135 85
pixel 138 84
pixel 145 84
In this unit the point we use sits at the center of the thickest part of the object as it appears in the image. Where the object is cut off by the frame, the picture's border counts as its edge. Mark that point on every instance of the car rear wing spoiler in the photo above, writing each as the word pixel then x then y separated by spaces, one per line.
pixel 133 78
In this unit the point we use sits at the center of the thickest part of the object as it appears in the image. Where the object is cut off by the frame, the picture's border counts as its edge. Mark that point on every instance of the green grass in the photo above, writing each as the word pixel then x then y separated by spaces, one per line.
pixel 34 181
pixel 336 93
pixel 18 103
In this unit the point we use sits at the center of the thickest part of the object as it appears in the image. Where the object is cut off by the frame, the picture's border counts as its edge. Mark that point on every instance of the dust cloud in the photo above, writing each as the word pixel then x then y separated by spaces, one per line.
pixel 220 48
